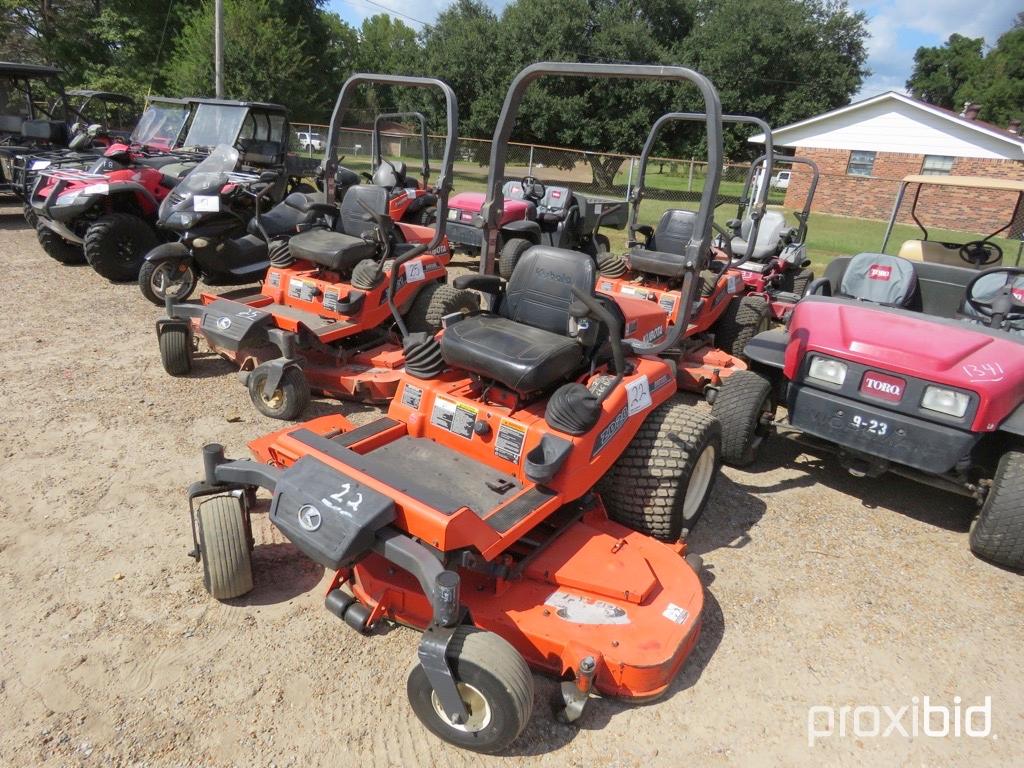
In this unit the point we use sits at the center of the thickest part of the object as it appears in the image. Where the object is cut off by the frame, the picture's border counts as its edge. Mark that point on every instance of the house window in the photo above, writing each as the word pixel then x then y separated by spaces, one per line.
pixel 861 163
pixel 937 165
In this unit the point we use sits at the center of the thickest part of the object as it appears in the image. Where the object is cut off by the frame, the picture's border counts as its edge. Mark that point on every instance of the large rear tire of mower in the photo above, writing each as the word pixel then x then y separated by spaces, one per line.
pixel 224 548
pixel 58 248
pixel 998 533
pixel 798 283
pixel 744 408
pixel 741 321
pixel 494 683
pixel 289 399
pixel 433 302
pixel 511 252
pixel 154 280
pixel 661 482
pixel 117 244
pixel 176 351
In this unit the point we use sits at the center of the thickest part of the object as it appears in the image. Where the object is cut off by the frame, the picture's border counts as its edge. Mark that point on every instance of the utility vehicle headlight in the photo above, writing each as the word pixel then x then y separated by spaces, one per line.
pixel 38 165
pixel 945 401
pixel 829 371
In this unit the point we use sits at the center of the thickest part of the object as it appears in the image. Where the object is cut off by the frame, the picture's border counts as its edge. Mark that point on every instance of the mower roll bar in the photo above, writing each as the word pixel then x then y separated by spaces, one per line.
pixel 757 213
pixel 699 247
pixel 444 181
pixel 805 212
pixel 375 148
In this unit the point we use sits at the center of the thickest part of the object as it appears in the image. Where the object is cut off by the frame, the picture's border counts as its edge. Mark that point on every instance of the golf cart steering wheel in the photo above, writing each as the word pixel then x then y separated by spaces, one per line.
pixel 725 241
pixel 532 188
pixel 979 253
pixel 1000 294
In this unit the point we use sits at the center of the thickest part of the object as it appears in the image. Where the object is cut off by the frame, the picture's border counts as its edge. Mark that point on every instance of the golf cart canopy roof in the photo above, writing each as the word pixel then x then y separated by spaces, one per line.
pixel 104 95
pixel 27 70
pixel 973 182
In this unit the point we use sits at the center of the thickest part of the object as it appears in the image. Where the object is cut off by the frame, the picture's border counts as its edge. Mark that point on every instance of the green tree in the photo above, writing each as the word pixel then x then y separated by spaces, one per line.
pixel 941 73
pixel 999 85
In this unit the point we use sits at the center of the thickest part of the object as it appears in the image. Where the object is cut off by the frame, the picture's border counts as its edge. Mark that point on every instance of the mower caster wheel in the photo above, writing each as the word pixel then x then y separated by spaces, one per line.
pixel 288 401
pixel 224 547
pixel 338 601
pixel 745 408
pixel 176 351
pixel 495 685
pixel 355 616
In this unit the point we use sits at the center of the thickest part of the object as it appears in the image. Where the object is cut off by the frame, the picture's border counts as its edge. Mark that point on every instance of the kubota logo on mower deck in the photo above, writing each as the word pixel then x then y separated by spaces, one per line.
pixel 883 387
pixel 880 272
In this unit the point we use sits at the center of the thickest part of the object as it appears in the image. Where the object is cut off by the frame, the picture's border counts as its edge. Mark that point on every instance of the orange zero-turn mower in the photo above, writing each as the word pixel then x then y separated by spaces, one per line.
pixel 522 503
pixel 323 318
pixel 647 282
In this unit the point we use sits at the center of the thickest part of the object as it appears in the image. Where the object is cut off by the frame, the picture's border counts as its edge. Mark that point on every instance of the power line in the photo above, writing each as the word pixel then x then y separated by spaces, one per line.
pixel 396 13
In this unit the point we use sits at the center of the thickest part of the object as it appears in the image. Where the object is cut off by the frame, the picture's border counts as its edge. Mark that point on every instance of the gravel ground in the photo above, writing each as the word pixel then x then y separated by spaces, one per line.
pixel 822 590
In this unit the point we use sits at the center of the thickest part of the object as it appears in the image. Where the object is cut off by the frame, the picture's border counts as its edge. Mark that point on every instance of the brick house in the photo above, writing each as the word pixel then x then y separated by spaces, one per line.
pixel 865 148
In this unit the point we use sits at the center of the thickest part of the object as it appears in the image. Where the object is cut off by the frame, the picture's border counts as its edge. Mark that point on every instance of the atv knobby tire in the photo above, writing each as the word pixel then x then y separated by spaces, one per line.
pixel 492 677
pixel 511 252
pixel 289 399
pixel 30 215
pixel 224 547
pixel 743 406
pixel 661 482
pixel 57 247
pixel 116 246
pixel 741 321
pixel 433 302
pixel 998 533
pixel 176 351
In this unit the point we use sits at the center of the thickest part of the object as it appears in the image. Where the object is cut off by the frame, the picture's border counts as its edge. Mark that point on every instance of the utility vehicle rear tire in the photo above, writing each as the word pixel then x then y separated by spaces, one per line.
pixel 427 216
pixel 741 406
pixel 289 399
pixel 153 279
pixel 30 215
pixel 741 321
pixel 224 548
pixel 117 244
pixel 495 684
pixel 661 482
pixel 176 351
pixel 510 255
pixel 433 302
pixel 998 533
pixel 58 248
pixel 798 283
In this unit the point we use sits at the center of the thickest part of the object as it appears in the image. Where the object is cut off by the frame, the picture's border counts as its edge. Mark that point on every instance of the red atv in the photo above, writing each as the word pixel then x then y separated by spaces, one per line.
pixel 916 369
pixel 111 210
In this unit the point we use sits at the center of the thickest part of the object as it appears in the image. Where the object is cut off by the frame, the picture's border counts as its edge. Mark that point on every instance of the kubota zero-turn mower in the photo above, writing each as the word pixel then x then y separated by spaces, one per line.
pixel 521 503
pixel 323 318
pixel 111 212
pixel 777 270
pixel 648 281
pixel 409 200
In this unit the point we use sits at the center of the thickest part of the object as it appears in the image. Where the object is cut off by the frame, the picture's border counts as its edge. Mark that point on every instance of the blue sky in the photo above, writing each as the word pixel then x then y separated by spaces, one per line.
pixel 898 27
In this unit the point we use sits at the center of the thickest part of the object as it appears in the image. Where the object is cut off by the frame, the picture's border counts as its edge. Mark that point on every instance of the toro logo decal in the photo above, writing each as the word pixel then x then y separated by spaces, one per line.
pixel 1018 294
pixel 883 387
pixel 880 272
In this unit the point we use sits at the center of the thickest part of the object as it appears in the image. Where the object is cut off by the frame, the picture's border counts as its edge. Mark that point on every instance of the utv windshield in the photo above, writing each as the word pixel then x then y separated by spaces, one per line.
pixel 160 125
pixel 215 124
pixel 211 174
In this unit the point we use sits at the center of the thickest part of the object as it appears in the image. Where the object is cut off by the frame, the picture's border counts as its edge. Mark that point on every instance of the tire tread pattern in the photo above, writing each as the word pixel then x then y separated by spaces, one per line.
pixel 998 533
pixel 224 548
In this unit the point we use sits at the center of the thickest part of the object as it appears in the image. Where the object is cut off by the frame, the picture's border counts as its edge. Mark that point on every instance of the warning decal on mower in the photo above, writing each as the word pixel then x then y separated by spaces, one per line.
pixel 638 395
pixel 509 443
pixel 331 300
pixel 581 610
pixel 275 279
pixel 411 396
pixel 667 303
pixel 605 286
pixel 676 614
pixel 457 418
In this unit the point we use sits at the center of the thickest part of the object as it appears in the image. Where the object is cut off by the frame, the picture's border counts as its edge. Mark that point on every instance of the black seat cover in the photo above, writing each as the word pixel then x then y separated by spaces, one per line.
pixel 341 250
pixel 526 346
pixel 666 255
pixel 880 279
pixel 284 217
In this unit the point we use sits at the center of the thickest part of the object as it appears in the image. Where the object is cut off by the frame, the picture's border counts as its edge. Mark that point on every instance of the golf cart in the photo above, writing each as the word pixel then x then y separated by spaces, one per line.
pixel 324 317
pixel 110 210
pixel 409 200
pixel 523 500
pixel 27 120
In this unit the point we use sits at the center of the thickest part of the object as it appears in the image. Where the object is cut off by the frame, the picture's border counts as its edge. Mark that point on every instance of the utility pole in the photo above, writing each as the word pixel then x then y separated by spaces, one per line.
pixel 218 47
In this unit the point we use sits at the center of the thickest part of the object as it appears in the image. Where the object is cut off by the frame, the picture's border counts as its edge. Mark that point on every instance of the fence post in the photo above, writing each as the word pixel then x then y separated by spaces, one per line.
pixel 689 181
pixel 629 180
pixel 529 170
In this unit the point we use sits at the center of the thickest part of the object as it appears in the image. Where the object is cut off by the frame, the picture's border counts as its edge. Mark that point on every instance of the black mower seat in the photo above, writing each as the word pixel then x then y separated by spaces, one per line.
pixel 526 345
pixel 284 217
pixel 333 250
pixel 666 255
pixel 881 279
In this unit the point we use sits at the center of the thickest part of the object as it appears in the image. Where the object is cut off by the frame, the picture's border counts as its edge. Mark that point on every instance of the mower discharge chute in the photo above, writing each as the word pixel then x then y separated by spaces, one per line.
pixel 323 318
pixel 524 500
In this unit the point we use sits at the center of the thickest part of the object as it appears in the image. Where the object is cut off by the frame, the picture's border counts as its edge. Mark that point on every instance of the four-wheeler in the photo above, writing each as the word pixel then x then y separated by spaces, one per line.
pixel 223 238
pixel 648 282
pixel 523 500
pixel 911 368
pixel 113 213
pixel 777 270
pixel 323 317
pixel 409 200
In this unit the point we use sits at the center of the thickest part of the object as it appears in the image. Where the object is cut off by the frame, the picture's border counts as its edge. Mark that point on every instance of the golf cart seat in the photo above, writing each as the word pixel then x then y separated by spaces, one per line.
pixel 341 249
pixel 770 236
pixel 284 217
pixel 556 206
pixel 526 344
pixel 934 252
pixel 881 279
pixel 665 254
